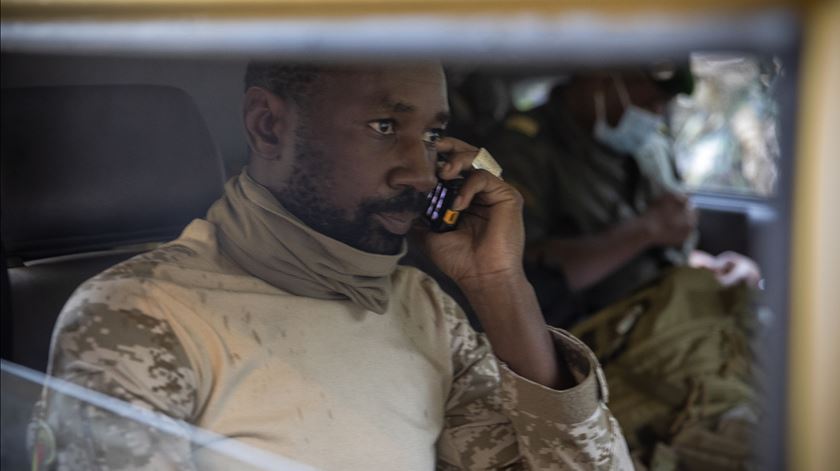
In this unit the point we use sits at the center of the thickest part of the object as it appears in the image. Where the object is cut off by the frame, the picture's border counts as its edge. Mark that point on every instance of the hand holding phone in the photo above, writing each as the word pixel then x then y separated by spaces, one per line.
pixel 489 238
pixel 440 214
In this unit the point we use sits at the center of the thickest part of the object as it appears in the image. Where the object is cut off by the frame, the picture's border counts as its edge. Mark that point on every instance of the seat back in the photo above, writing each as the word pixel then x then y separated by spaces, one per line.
pixel 89 174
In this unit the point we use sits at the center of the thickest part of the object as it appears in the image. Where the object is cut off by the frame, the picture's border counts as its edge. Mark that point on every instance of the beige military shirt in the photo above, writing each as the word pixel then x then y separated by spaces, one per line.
pixel 183 332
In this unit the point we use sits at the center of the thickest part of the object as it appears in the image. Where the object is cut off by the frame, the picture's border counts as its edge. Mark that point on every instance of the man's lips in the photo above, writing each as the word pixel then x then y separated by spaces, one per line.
pixel 396 222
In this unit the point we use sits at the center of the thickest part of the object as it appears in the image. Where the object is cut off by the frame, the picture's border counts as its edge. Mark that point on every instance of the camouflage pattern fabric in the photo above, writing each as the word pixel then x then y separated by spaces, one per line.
pixel 126 353
pixel 498 420
pixel 184 332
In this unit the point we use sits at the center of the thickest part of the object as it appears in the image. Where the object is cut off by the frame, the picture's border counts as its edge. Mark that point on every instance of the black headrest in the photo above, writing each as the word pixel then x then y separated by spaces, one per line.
pixel 91 167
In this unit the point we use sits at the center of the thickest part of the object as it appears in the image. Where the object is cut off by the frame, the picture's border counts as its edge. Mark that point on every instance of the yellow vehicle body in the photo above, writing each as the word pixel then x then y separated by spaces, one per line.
pixel 813 409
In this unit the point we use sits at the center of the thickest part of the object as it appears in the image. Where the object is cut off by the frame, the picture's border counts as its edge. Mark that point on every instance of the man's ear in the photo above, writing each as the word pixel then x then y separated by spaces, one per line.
pixel 267 118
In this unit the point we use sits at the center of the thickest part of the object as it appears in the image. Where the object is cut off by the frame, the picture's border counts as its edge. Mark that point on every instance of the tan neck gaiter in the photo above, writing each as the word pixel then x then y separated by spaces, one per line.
pixel 267 241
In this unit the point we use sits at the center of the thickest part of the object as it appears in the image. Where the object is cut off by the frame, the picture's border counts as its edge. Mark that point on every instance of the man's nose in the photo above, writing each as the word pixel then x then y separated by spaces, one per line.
pixel 416 169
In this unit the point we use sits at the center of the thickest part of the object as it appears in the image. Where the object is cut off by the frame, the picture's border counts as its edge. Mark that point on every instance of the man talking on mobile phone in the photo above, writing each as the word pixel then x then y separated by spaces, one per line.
pixel 283 320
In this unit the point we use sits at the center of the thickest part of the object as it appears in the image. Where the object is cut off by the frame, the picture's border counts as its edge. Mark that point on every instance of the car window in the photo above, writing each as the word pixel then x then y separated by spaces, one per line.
pixel 726 131
pixel 24 426
pixel 726 138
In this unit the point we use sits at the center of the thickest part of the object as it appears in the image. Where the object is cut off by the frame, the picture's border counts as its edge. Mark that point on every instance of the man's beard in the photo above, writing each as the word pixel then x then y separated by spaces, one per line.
pixel 303 197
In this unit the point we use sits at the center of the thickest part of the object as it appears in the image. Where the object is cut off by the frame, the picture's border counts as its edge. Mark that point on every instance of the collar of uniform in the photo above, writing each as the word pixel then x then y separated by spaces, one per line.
pixel 266 240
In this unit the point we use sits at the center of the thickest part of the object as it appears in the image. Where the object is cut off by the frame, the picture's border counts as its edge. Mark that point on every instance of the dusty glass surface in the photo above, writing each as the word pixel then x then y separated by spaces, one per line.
pixel 30 440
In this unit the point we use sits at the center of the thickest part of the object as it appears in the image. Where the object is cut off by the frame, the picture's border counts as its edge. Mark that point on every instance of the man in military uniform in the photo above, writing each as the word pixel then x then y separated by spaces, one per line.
pixel 604 209
pixel 283 321
pixel 610 250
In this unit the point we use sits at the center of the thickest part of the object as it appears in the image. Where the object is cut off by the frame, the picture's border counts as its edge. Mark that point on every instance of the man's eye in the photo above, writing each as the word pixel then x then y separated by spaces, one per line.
pixel 433 135
pixel 383 126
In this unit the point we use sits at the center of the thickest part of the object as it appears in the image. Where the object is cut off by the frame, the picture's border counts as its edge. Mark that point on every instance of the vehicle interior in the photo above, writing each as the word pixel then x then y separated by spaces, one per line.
pixel 120 126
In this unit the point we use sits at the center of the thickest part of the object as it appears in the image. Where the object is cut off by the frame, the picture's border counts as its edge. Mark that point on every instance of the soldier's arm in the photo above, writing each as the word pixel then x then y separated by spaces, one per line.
pixel 587 259
pixel 543 406
pixel 496 419
pixel 114 340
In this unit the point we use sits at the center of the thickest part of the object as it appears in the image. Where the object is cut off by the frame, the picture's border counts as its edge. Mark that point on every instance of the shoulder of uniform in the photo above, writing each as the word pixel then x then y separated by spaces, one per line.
pixel 144 266
pixel 522 124
pixel 411 279
pixel 413 276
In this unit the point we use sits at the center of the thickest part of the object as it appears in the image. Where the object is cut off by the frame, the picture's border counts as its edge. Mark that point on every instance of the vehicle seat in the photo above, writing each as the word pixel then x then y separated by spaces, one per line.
pixel 90 176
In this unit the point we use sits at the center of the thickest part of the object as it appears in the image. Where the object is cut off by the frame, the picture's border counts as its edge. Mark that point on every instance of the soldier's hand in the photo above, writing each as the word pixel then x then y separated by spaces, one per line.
pixel 490 237
pixel 737 268
pixel 730 268
pixel 669 220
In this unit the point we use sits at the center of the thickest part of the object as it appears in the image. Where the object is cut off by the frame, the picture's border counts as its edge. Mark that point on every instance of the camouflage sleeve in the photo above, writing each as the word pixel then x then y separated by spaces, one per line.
pixel 496 419
pixel 113 339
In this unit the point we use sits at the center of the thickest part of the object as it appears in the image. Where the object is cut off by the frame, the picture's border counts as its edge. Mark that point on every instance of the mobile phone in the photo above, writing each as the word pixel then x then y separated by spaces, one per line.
pixel 439 213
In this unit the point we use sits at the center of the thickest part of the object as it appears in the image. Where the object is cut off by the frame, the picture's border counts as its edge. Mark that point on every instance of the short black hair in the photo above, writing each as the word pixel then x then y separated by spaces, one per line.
pixel 289 81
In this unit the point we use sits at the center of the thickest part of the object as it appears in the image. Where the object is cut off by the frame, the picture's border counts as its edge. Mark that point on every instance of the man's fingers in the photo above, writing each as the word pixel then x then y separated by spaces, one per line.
pixel 486 189
pixel 475 183
pixel 480 211
pixel 450 144
pixel 459 157
pixel 737 268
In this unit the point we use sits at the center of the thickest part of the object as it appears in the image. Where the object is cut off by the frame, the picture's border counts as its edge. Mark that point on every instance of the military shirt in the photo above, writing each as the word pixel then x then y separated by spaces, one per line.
pixel 183 332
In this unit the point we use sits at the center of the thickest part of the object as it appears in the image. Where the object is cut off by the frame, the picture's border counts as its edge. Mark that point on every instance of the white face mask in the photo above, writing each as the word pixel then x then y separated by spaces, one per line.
pixel 634 129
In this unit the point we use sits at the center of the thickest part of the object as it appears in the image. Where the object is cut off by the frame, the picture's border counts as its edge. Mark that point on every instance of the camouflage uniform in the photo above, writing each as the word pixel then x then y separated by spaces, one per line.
pixel 184 332
pixel 575 187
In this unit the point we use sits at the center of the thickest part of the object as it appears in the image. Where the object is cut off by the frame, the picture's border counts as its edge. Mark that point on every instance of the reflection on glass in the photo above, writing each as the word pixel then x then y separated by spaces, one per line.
pixel 85 429
pixel 725 133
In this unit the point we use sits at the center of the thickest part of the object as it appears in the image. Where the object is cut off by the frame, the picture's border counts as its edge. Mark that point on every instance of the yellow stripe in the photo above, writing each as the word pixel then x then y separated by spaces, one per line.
pixel 814 410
